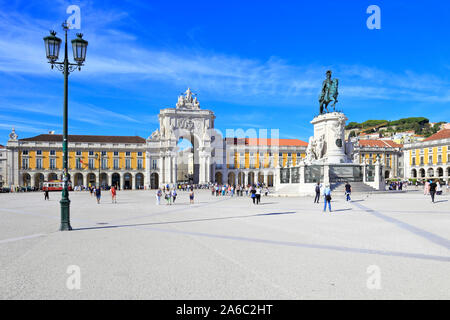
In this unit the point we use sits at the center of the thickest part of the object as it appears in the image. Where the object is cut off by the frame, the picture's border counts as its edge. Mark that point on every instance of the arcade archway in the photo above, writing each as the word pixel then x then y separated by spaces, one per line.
pixel 139 181
pixel 78 179
pixel 115 180
pixel 154 180
pixel 91 179
pixel 218 178
pixel 231 178
pixel 127 181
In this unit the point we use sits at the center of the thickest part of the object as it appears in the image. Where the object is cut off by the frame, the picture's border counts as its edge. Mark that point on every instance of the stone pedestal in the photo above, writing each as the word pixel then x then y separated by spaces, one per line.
pixel 329 137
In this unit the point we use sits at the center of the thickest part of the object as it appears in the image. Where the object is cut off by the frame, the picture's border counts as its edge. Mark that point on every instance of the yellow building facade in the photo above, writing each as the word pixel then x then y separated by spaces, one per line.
pixel 429 158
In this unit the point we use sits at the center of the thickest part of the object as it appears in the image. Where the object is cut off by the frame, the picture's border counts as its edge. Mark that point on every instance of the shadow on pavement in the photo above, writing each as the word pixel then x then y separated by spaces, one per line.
pixel 178 221
pixel 338 210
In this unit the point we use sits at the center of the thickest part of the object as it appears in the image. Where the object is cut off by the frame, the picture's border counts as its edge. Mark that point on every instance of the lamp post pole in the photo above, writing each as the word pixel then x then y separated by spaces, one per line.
pixel 65 202
pixel 79 45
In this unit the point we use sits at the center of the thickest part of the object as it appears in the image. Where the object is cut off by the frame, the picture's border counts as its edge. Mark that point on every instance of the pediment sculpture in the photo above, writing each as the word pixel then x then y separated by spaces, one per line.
pixel 187 100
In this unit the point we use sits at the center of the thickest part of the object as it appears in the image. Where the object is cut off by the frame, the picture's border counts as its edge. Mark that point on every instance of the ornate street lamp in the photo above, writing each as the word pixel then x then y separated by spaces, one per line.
pixel 52 46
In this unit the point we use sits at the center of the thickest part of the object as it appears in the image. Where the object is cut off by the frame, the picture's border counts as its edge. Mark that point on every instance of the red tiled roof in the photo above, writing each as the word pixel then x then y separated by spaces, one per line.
pixel 266 142
pixel 2 146
pixel 443 134
pixel 379 143
pixel 83 138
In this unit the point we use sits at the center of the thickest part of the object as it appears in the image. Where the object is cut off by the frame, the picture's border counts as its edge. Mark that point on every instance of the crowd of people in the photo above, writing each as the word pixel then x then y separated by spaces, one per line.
pixel 431 187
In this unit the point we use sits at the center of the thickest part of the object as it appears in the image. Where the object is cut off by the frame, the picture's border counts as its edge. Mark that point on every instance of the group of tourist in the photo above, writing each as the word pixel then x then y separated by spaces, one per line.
pixel 97 191
pixel 327 194
pixel 398 185
pixel 170 195
pixel 253 191
pixel 238 190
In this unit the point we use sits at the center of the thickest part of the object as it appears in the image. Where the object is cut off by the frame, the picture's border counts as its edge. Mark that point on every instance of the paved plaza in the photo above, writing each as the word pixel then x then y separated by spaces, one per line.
pixel 226 248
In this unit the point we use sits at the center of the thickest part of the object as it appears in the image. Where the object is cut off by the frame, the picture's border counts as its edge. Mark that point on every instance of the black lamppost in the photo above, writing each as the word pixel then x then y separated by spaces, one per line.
pixel 79 46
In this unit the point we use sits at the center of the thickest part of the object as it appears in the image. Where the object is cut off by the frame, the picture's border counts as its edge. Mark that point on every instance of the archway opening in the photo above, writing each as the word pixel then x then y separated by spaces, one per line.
pixel 38 180
pixel 78 179
pixel 231 178
pixel 154 180
pixel 241 178
pixel 103 179
pixel 185 161
pixel 115 180
pixel 386 174
pixel 430 172
pixel 270 180
pixel 219 178
pixel 139 181
pixel 26 180
pixel 422 173
pixel 127 181
pixel 91 180
pixel 52 176
pixel 261 178
pixel 440 172
pixel 251 178
pixel 414 173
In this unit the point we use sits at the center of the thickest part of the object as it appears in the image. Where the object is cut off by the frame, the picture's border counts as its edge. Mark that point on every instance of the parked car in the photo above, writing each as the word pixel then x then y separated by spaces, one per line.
pixel 5 190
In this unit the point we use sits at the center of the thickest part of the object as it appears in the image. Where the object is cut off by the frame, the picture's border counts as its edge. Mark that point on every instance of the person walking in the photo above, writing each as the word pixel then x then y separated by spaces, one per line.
pixel 348 191
pixel 174 195
pixel 438 188
pixel 318 187
pixel 98 194
pixel 168 197
pixel 191 196
pixel 258 195
pixel 113 194
pixel 158 197
pixel 426 188
pixel 253 195
pixel 46 197
pixel 432 187
pixel 327 198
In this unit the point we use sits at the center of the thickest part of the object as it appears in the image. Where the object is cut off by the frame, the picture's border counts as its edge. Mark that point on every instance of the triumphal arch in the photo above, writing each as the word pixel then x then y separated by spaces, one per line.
pixel 186 121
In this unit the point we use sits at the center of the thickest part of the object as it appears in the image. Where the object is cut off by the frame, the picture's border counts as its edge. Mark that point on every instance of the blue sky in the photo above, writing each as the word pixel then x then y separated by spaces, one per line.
pixel 256 64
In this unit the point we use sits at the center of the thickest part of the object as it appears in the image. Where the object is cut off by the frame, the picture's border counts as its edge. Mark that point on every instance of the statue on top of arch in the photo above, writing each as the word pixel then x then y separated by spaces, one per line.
pixel 187 101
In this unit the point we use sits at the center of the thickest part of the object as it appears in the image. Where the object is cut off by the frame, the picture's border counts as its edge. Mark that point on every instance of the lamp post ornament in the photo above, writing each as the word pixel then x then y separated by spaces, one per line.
pixel 79 46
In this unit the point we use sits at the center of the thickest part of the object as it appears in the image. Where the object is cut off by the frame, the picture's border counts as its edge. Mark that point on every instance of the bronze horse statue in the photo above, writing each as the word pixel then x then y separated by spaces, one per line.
pixel 329 93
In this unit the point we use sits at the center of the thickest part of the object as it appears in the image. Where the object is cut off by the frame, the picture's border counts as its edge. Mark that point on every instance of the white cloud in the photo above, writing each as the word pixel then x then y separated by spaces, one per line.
pixel 115 56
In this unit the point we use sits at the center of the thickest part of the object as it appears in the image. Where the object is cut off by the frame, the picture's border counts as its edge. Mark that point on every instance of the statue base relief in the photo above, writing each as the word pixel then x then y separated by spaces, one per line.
pixel 329 138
